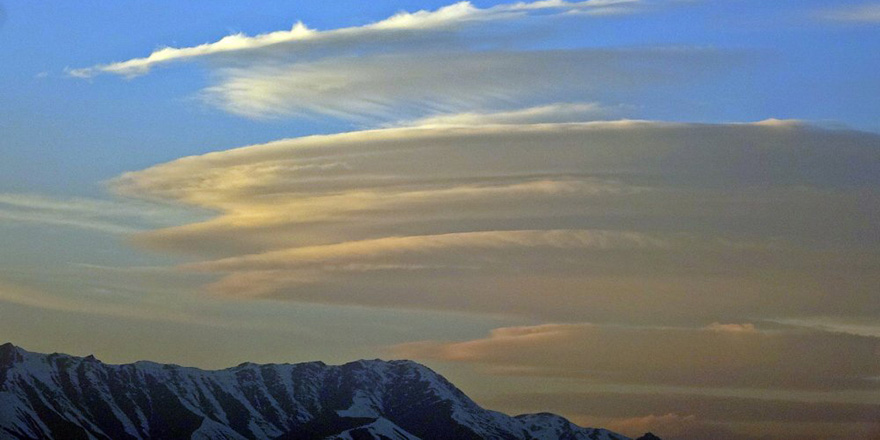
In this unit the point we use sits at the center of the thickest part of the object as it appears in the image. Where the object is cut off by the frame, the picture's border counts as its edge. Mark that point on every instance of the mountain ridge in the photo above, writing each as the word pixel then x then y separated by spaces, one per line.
pixel 62 396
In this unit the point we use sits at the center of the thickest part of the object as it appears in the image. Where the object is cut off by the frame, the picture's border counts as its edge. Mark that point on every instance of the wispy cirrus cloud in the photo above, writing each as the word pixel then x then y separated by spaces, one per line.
pixel 457 59
pixel 393 86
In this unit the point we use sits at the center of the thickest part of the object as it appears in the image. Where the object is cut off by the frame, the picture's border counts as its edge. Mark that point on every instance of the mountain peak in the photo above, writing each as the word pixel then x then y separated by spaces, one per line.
pixel 10 354
pixel 366 399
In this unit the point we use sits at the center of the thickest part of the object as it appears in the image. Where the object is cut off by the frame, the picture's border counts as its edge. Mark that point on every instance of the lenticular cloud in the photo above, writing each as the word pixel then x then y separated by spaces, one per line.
pixel 603 220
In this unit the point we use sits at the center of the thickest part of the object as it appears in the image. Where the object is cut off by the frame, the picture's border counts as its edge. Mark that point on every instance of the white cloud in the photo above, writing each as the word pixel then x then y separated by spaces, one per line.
pixel 457 59
pixel 401 85
pixel 443 18
pixel 557 112
pixel 230 43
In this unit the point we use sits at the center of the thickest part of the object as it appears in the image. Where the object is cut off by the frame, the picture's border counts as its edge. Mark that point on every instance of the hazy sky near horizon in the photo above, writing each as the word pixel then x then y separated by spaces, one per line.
pixel 653 215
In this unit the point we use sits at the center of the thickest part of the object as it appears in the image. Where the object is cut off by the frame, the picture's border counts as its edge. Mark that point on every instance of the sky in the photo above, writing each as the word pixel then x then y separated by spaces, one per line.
pixel 644 215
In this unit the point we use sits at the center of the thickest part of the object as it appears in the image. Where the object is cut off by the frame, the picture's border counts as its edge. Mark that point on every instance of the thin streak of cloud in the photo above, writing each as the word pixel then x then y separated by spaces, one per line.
pixel 101 306
pixel 462 242
pixel 139 270
pixel 689 415
pixel 687 357
pixel 443 18
pixel 784 406
pixel 868 13
pixel 42 218
pixel 832 324
pixel 115 217
pixel 557 112
pixel 732 328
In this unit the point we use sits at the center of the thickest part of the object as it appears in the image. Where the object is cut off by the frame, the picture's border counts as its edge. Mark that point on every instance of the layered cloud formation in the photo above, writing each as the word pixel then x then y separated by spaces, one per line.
pixel 608 226
pixel 658 246
pixel 725 261
pixel 603 221
pixel 456 59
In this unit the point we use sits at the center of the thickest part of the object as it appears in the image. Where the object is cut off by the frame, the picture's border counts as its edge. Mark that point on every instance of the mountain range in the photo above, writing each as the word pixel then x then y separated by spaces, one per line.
pixel 68 397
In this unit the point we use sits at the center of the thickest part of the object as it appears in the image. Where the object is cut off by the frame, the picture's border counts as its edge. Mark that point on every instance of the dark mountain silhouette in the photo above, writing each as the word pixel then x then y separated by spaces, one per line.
pixel 68 397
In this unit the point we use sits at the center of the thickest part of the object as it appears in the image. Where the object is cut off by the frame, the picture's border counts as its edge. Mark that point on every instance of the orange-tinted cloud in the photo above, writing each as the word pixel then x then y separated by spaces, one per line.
pixel 602 222
pixel 702 357
pixel 683 416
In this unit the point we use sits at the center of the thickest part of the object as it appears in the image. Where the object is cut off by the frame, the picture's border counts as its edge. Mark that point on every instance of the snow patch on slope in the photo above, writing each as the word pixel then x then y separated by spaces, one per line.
pixel 381 428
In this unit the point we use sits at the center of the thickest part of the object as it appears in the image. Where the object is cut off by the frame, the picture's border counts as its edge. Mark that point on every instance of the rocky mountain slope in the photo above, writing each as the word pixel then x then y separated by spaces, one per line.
pixel 67 397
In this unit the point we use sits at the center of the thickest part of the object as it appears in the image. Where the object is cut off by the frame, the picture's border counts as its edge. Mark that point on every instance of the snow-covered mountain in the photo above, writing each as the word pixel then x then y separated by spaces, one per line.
pixel 66 397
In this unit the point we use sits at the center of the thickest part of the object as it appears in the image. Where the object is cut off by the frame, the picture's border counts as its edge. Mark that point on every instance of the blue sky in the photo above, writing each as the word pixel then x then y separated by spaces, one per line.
pixel 587 175
pixel 788 64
